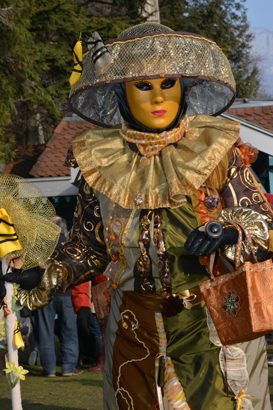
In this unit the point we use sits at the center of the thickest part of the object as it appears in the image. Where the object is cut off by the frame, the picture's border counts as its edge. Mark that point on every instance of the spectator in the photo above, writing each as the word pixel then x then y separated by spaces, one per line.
pixel 89 330
pixel 61 305
pixel 29 333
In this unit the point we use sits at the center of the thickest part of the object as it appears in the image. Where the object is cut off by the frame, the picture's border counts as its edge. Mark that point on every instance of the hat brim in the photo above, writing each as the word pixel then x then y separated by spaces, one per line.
pixel 210 86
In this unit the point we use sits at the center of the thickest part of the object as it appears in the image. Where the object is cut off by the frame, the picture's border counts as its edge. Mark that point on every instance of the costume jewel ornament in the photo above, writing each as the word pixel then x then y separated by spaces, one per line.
pixel 138 199
pixel 144 162
pixel 231 303
pixel 211 202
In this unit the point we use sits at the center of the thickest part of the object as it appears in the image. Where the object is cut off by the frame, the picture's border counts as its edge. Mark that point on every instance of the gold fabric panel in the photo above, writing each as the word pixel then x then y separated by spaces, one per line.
pixel 42 295
pixel 110 166
pixel 256 226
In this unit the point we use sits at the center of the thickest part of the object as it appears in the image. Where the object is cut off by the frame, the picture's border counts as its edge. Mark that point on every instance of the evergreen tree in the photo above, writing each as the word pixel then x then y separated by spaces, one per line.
pixel 19 81
pixel 225 22
pixel 36 61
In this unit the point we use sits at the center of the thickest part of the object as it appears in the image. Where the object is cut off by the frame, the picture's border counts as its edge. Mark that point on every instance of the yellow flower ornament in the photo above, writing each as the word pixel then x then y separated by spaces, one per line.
pixel 10 367
pixel 20 372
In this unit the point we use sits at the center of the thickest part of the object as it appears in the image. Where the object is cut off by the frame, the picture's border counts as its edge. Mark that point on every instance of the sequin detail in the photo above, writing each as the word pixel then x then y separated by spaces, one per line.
pixel 231 303
pixel 138 199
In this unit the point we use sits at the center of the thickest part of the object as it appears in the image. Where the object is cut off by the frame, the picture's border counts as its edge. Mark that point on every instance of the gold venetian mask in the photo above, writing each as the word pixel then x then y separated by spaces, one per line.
pixel 154 103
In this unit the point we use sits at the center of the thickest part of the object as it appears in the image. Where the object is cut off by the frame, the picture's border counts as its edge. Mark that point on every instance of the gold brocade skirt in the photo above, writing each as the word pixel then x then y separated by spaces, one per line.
pixel 195 358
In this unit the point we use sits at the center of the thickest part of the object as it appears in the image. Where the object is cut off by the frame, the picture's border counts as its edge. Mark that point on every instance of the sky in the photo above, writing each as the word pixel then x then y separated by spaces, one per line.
pixel 260 13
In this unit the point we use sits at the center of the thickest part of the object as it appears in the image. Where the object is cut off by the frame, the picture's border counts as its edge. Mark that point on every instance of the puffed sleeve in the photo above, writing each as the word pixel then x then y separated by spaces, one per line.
pixel 83 254
pixel 245 203
pixel 80 258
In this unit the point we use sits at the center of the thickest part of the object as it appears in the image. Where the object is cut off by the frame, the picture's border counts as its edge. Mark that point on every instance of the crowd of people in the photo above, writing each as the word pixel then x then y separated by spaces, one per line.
pixel 69 318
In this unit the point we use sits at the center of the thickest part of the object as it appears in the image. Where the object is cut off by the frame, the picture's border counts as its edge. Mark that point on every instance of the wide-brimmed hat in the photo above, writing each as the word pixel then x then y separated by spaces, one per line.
pixel 148 51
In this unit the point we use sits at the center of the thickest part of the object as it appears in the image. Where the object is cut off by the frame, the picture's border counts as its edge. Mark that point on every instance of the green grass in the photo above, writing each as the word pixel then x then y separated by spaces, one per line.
pixel 58 393
pixel 66 393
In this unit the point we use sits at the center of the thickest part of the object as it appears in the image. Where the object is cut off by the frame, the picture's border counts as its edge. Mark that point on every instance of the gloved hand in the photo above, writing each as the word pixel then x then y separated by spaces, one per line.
pixel 84 319
pixel 27 280
pixel 201 243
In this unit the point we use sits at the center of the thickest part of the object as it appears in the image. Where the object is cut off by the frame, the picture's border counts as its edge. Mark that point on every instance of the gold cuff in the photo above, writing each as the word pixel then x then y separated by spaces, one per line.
pixel 42 295
pixel 255 225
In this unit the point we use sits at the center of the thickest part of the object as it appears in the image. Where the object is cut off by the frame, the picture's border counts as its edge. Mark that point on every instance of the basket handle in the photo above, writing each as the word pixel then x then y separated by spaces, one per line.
pixel 239 244
pixel 238 252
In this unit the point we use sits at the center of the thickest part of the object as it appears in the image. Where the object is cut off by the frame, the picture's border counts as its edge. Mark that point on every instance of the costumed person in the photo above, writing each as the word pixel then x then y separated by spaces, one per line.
pixel 148 185
pixel 28 239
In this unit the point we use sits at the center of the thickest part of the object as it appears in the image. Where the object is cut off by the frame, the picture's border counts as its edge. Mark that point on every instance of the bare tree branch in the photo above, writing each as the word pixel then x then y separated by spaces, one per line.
pixel 4 14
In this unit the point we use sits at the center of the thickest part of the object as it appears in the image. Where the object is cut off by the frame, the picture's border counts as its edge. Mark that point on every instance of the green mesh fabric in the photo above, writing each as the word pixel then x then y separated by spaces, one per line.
pixel 31 214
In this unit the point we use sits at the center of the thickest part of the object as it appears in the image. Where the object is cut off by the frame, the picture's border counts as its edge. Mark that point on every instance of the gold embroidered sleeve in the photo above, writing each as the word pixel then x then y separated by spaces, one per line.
pixel 83 255
pixel 242 190
pixel 255 225
pixel 42 295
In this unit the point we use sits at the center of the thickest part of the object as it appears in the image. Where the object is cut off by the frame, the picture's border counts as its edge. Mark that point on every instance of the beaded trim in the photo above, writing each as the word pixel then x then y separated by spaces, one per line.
pixel 144 264
pixel 161 333
pixel 150 144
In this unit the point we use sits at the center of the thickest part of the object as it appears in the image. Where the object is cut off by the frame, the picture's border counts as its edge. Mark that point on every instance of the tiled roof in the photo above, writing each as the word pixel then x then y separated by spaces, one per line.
pixel 51 162
pixel 262 116
pixel 25 157
pixel 48 160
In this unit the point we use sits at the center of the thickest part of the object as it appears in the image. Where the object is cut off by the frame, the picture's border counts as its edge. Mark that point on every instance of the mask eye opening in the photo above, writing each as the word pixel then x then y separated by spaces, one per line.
pixel 143 85
pixel 168 83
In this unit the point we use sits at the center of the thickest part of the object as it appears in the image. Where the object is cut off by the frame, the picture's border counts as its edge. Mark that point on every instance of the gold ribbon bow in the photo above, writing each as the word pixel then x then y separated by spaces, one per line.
pixel 240 399
pixel 9 241
pixel 77 57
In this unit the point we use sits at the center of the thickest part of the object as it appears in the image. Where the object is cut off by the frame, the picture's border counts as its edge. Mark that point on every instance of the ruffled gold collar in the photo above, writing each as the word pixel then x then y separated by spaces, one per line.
pixel 110 166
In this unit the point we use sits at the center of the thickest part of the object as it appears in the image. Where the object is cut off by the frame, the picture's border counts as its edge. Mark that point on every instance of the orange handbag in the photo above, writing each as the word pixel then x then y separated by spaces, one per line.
pixel 241 302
